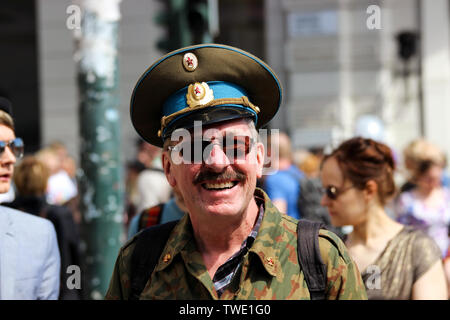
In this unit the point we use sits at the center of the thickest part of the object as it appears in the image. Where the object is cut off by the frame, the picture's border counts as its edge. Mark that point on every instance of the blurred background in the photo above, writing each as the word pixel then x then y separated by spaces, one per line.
pixel 379 69
pixel 336 62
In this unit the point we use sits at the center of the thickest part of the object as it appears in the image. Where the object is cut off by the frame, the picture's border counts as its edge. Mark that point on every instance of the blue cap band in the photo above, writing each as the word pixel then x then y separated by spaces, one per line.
pixel 221 90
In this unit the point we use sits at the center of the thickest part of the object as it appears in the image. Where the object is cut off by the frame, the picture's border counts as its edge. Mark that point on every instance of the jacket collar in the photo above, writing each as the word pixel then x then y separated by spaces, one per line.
pixel 266 245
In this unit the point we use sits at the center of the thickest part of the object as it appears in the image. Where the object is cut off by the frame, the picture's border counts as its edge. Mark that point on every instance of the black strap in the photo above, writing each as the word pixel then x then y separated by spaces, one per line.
pixel 149 246
pixel 310 259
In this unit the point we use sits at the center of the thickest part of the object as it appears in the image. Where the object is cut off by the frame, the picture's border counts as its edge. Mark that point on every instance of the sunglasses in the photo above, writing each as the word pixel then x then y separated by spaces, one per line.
pixel 235 147
pixel 333 192
pixel 16 146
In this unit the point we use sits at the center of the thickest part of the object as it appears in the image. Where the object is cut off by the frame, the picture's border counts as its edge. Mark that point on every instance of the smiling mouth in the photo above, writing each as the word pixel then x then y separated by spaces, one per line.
pixel 219 186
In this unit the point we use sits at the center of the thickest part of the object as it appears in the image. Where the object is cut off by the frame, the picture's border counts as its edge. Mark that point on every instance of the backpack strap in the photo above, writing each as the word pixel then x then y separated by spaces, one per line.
pixel 310 259
pixel 149 246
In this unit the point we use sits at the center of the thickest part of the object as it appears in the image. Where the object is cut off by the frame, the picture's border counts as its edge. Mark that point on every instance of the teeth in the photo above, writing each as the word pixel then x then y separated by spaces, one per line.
pixel 219 185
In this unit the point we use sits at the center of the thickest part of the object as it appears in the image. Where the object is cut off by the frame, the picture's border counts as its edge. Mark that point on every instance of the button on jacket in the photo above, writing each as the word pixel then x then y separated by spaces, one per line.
pixel 270 269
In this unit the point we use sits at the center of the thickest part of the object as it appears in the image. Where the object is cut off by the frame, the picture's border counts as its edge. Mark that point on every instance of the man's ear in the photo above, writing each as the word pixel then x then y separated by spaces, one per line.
pixel 259 159
pixel 168 166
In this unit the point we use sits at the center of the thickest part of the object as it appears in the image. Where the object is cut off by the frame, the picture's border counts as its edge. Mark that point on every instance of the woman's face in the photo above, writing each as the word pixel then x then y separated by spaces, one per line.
pixel 349 206
pixel 7 159
pixel 430 179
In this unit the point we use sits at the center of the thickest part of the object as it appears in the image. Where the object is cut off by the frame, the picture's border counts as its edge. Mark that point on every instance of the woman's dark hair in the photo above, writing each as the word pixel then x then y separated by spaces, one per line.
pixel 362 160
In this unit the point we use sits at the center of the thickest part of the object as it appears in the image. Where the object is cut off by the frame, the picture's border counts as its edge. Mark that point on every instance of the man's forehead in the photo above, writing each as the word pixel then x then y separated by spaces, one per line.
pixel 226 128
pixel 231 127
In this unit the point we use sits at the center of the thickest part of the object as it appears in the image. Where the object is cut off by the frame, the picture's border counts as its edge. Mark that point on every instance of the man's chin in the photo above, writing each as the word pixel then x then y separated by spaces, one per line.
pixel 222 210
pixel 4 187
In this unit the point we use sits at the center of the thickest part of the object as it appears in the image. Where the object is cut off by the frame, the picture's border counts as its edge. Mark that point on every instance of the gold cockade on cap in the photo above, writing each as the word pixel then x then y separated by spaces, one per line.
pixel 199 94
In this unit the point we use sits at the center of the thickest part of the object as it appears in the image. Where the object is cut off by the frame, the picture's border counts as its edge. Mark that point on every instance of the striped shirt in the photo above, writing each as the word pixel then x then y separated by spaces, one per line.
pixel 225 273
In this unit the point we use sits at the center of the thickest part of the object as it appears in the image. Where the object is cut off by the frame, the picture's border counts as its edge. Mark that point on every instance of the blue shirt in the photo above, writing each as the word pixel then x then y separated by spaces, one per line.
pixel 171 212
pixel 285 185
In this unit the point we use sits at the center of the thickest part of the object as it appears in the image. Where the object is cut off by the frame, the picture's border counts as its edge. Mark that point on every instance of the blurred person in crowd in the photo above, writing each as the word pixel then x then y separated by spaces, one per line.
pixel 147 157
pixel 283 187
pixel 310 165
pixel 152 186
pixel 29 255
pixel 66 162
pixel 31 177
pixel 148 154
pixel 309 200
pixel 396 261
pixel 414 154
pixel 70 166
pixel 427 205
pixel 172 210
pixel 60 188
pixel 60 150
pixel 133 169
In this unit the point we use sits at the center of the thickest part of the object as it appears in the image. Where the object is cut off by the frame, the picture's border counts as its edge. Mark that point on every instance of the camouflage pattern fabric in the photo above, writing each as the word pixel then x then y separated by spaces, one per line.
pixel 269 270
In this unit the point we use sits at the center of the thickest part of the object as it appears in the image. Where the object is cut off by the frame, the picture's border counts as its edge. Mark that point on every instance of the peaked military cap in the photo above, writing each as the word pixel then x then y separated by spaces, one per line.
pixel 209 83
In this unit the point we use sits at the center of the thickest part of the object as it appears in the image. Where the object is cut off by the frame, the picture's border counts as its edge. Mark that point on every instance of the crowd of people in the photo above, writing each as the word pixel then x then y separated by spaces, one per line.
pixel 385 220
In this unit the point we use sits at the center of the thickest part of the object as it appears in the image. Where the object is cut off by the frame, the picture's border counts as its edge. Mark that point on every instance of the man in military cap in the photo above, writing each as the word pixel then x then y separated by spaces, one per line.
pixel 203 104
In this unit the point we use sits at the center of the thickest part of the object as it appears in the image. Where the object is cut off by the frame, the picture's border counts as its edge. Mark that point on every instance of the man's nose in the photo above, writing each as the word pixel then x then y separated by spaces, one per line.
pixel 217 159
pixel 324 200
pixel 7 157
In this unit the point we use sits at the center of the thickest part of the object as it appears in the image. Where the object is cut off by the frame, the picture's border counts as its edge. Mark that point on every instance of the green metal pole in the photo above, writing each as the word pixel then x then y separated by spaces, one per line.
pixel 101 182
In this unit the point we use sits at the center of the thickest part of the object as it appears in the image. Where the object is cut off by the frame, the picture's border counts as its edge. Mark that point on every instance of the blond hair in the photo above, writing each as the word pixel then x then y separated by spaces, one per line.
pixel 31 176
pixel 6 120
pixel 419 151
pixel 310 165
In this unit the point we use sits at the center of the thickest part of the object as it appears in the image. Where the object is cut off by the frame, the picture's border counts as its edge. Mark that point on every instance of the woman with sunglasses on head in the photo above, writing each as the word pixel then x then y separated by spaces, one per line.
pixel 396 261
pixel 29 255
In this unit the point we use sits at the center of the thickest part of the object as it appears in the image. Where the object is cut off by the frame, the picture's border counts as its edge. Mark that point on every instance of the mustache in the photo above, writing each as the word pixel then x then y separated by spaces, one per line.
pixel 208 175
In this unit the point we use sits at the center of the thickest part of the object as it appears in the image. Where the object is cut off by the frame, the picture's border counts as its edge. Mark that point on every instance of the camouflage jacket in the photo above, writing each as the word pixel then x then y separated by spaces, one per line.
pixel 269 270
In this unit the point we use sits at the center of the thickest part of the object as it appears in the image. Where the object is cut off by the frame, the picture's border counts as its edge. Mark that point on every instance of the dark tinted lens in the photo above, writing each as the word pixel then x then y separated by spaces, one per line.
pixel 193 151
pixel 17 147
pixel 237 147
pixel 331 192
